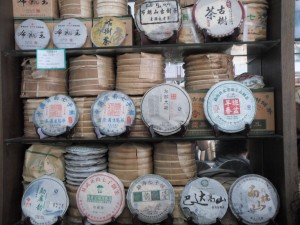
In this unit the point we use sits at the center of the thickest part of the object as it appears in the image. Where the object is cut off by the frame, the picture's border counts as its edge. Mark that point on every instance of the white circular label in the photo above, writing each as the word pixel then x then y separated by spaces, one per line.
pixel 230 105
pixel 55 114
pixel 166 107
pixel 204 200
pixel 218 17
pixel 100 198
pixel 254 199
pixel 32 34
pixel 151 197
pixel 44 200
pixel 69 33
pixel 159 19
pixel 112 112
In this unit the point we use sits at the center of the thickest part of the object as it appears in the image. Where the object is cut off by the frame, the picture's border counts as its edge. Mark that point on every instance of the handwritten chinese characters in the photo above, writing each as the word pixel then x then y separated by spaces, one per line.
pixel 32 34
pixel 219 17
pixel 204 200
pixel 253 199
pixel 109 31
pixel 32 2
pixel 69 33
pixel 159 19
pixel 44 200
pixel 159 12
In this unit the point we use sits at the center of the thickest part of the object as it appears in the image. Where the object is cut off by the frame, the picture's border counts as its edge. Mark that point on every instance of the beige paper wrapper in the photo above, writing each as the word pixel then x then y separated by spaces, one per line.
pixel 43 160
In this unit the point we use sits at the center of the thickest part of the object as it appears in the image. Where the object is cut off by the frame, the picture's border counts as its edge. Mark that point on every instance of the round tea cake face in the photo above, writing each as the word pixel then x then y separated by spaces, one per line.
pixel 218 17
pixel 55 114
pixel 44 200
pixel 101 197
pixel 158 19
pixel 204 200
pixel 151 197
pixel 69 33
pixel 230 105
pixel 32 34
pixel 108 31
pixel 112 112
pixel 166 107
pixel 254 199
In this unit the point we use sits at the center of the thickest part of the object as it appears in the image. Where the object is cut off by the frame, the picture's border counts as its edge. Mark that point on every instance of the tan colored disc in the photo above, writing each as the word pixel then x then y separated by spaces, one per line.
pixel 131 166
pixel 173 164
pixel 132 175
pixel 171 158
pixel 190 169
pixel 130 161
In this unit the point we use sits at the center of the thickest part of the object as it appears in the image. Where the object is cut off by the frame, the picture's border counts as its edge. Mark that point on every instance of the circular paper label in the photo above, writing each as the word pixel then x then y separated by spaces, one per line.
pixel 32 34
pixel 254 199
pixel 109 31
pixel 166 107
pixel 151 197
pixel 101 197
pixel 44 200
pixel 218 17
pixel 69 33
pixel 55 114
pixel 159 19
pixel 230 105
pixel 204 200
pixel 112 112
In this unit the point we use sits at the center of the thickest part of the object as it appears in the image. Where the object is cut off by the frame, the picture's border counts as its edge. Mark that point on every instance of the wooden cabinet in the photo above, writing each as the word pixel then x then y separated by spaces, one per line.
pixel 273 156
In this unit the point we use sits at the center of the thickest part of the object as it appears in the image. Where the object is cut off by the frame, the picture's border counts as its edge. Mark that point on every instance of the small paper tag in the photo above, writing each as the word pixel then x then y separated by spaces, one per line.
pixel 51 59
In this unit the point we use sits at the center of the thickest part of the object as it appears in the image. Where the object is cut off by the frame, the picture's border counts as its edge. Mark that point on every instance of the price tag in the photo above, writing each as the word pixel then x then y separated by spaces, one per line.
pixel 51 59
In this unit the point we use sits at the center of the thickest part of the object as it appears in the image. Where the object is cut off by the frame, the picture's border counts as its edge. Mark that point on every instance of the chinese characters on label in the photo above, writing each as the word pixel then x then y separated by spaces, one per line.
pixel 159 12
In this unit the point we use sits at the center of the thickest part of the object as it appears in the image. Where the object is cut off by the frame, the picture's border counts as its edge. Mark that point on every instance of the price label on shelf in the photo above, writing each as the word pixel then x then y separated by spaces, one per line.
pixel 51 59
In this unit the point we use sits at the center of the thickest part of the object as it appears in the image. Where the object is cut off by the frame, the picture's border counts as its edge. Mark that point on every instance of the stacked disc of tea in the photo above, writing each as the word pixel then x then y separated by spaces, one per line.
pixel 30 106
pixel 136 73
pixel 204 70
pixel 73 215
pixel 139 129
pixel 104 8
pixel 41 83
pixel 91 75
pixel 126 215
pixel 75 8
pixel 84 127
pixel 82 161
pixel 179 218
pixel 254 27
pixel 175 161
pixel 128 161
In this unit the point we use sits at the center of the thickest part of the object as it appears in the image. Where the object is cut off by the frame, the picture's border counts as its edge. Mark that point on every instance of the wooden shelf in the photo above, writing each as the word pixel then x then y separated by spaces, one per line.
pixel 24 140
pixel 250 49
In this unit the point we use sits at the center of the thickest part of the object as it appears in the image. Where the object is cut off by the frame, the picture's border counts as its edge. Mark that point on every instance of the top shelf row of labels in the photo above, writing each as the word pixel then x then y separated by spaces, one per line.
pixel 156 21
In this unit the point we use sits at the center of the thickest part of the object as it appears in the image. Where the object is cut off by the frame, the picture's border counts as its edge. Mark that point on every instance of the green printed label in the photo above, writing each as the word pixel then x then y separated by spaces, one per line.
pixel 146 196
pixel 99 199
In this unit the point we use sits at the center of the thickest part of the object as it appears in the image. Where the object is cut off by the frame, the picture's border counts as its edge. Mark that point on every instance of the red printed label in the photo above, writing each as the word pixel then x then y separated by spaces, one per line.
pixel 173 97
pixel 232 106
pixel 128 120
pixel 70 119
pixel 113 109
pixel 55 110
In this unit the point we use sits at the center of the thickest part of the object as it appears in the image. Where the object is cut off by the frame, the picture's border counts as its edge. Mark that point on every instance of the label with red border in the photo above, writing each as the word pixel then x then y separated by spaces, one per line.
pixel 101 197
